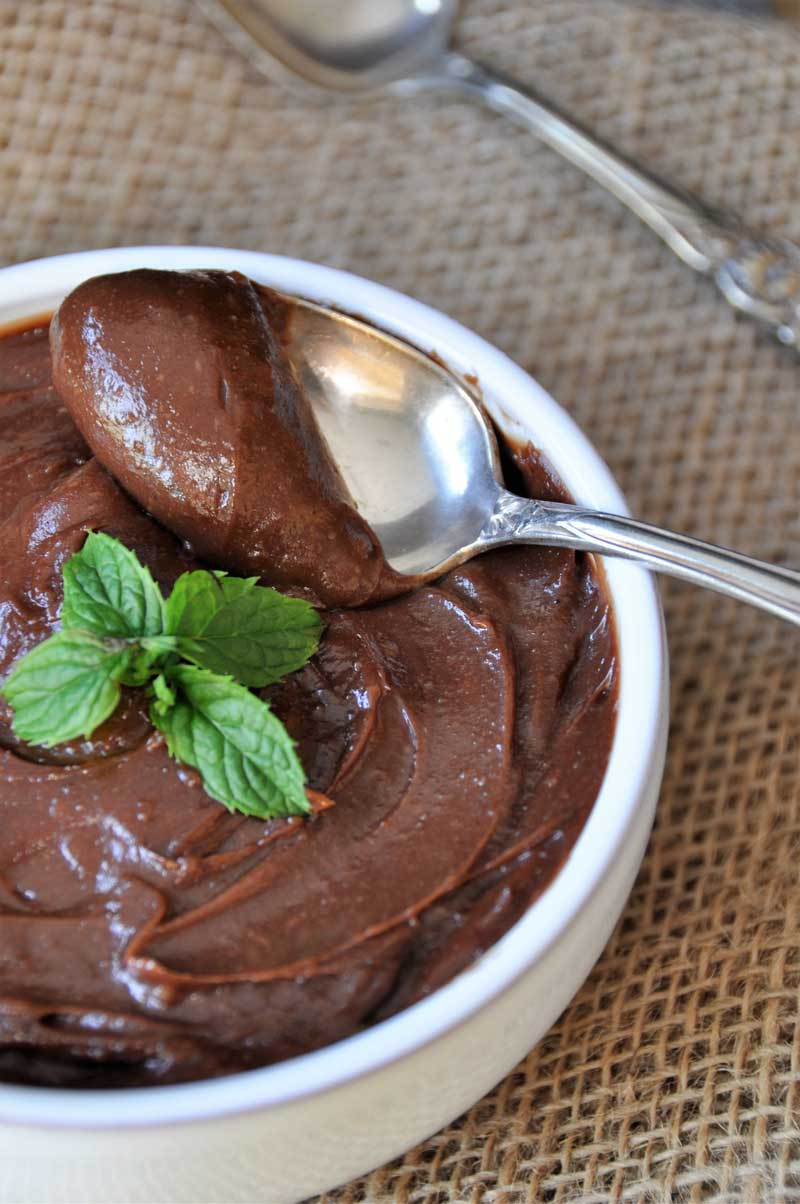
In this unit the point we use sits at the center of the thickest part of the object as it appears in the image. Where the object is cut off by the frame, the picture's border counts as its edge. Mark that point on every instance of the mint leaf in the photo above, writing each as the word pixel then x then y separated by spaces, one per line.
pixel 233 626
pixel 66 687
pixel 107 591
pixel 244 755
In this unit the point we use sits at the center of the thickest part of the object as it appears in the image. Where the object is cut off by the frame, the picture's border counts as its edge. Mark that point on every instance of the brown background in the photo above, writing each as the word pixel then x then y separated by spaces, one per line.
pixel 674 1074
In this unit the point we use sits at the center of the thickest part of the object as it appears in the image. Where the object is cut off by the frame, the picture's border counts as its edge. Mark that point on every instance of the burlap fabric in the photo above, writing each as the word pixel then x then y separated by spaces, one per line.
pixel 675 1073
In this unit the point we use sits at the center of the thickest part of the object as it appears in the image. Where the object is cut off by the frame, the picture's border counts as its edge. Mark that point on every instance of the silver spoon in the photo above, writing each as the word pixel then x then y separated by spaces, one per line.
pixel 420 461
pixel 403 46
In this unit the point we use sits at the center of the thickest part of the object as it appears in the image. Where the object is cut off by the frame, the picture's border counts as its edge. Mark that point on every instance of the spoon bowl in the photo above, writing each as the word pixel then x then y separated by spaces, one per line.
pixel 416 453
pixel 353 46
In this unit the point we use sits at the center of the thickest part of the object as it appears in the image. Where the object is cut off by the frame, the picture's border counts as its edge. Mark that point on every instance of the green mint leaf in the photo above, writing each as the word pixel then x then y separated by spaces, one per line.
pixel 244 755
pixel 235 627
pixel 66 687
pixel 107 591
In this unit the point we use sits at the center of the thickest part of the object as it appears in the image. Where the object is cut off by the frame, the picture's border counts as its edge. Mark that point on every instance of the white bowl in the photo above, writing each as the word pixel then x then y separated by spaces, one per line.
pixel 284 1132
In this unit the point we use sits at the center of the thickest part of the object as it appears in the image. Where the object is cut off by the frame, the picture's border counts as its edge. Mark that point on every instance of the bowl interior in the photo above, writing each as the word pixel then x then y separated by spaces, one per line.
pixel 523 410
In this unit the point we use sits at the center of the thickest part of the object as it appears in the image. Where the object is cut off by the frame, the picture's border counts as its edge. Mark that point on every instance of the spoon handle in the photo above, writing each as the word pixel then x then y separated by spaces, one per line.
pixel 759 275
pixel 519 520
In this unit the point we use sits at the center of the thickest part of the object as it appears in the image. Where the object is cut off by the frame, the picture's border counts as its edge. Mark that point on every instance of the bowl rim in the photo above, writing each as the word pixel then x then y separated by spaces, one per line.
pixel 33 288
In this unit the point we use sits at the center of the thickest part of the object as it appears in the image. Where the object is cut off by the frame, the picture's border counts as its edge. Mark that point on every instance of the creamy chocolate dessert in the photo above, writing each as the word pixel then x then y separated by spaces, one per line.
pixel 460 731
pixel 180 386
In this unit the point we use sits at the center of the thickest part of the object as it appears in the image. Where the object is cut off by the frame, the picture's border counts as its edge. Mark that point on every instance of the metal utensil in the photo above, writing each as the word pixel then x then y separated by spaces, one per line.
pixel 354 47
pixel 421 463
pixel 788 10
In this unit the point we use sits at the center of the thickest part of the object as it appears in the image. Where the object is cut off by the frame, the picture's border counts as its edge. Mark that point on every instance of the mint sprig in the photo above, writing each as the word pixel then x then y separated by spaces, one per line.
pixel 117 629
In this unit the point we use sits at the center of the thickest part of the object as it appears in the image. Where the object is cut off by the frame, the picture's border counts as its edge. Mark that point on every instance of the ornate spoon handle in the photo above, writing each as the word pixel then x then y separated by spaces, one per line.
pixel 520 520
pixel 758 275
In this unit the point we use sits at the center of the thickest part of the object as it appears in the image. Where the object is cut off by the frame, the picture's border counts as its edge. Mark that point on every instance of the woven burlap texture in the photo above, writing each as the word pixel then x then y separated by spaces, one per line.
pixel 674 1074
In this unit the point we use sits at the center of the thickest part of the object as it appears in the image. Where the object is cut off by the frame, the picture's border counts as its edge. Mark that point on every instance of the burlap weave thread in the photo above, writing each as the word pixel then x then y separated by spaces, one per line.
pixel 675 1074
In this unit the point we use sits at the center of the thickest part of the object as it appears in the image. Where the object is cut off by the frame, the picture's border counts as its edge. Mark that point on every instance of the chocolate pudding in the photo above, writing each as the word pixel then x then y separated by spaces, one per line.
pixel 460 730
pixel 180 386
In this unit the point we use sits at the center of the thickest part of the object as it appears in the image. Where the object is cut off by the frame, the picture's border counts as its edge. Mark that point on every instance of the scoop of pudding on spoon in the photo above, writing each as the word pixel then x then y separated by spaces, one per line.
pixel 284 438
